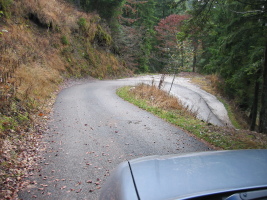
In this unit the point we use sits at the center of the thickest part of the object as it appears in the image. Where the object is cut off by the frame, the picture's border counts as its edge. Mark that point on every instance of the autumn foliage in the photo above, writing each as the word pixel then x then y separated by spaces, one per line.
pixel 168 28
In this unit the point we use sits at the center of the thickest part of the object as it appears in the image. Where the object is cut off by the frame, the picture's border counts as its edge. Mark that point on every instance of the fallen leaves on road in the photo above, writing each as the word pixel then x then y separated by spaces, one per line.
pixel 78 191
pixel 18 156
pixel 63 187
pixel 19 152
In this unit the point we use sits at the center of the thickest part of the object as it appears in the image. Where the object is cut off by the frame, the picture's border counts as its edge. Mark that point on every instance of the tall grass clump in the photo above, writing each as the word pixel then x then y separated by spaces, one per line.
pixel 155 97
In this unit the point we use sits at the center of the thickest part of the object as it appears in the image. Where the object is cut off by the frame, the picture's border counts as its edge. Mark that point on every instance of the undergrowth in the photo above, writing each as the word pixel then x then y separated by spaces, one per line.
pixel 151 99
pixel 42 43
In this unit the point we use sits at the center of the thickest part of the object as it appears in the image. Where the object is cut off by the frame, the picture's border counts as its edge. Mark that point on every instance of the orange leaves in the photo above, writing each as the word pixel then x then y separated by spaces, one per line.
pixel 171 24
pixel 168 28
pixel 41 114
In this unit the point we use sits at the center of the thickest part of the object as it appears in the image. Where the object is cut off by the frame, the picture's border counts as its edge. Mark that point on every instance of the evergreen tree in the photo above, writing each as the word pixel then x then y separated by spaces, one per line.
pixel 140 17
pixel 107 9
pixel 147 20
pixel 233 34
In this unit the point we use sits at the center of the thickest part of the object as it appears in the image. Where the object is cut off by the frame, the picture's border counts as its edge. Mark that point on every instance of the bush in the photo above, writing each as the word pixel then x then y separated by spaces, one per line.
pixel 5 7
pixel 64 40
pixel 82 23
pixel 103 38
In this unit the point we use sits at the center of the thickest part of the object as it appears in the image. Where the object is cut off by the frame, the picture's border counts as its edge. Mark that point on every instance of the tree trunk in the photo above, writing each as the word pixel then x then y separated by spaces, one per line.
pixel 195 46
pixel 254 109
pixel 78 3
pixel 174 76
pixel 263 113
pixel 182 53
pixel 194 59
pixel 161 81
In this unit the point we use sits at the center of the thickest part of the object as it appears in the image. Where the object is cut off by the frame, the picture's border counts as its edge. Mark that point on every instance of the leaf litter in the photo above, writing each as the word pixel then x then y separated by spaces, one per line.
pixel 20 152
pixel 18 158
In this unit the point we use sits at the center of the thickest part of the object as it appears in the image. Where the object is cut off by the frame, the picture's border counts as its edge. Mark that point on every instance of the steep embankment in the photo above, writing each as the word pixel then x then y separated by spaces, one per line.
pixel 41 43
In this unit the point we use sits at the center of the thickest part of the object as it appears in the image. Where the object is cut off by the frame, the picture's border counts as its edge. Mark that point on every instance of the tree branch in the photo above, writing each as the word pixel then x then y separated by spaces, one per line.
pixel 252 4
pixel 253 11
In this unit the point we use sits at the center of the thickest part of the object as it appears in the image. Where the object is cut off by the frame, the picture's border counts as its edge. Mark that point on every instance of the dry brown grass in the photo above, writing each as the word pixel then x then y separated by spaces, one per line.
pixel 48 80
pixel 34 60
pixel 57 15
pixel 30 61
pixel 31 50
pixel 210 83
pixel 157 98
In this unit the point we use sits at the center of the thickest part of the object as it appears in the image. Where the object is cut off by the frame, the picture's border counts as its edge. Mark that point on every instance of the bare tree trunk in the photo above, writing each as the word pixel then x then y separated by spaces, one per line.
pixel 194 60
pixel 174 76
pixel 263 113
pixel 161 81
pixel 195 46
pixel 182 53
pixel 254 109
pixel 78 3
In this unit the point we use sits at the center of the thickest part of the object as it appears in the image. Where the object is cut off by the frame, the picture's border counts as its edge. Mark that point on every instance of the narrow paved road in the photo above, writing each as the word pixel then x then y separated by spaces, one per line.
pixel 92 131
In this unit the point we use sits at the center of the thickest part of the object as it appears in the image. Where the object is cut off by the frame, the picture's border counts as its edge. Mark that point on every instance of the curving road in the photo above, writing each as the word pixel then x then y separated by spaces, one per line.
pixel 91 131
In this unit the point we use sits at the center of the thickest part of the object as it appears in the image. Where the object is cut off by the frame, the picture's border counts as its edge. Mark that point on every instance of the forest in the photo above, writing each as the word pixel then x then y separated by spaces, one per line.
pixel 223 37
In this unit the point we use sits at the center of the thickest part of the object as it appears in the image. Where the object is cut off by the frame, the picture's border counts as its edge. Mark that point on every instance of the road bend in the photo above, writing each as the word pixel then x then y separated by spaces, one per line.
pixel 90 132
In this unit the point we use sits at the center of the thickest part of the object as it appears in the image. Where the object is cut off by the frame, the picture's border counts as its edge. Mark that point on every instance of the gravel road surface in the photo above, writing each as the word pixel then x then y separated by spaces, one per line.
pixel 91 131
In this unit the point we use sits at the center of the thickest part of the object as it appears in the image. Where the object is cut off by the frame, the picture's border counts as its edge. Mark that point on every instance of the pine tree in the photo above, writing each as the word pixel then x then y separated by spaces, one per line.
pixel 233 34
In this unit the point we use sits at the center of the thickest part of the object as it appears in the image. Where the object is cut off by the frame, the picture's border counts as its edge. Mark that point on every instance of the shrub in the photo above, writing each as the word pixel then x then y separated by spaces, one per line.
pixel 64 40
pixel 102 37
pixel 5 7
pixel 82 23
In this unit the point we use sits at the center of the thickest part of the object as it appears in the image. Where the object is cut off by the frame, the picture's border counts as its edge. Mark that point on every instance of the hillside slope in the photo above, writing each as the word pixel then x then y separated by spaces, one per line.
pixel 42 43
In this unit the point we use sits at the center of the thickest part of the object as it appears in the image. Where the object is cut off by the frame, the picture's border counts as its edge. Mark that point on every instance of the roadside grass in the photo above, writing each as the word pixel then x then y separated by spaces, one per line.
pixel 169 108
pixel 232 116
